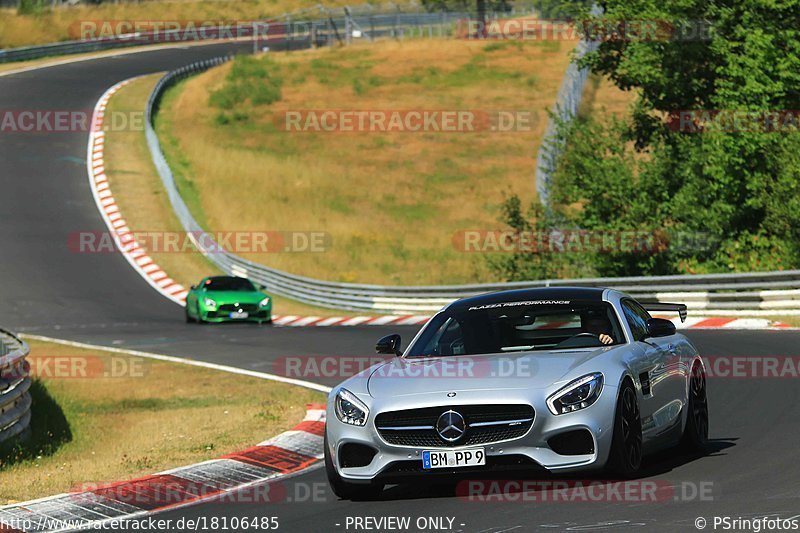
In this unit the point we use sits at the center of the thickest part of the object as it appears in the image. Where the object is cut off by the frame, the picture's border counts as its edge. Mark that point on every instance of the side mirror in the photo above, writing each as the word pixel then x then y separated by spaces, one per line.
pixel 193 287
pixel 389 345
pixel 658 327
pixel 262 287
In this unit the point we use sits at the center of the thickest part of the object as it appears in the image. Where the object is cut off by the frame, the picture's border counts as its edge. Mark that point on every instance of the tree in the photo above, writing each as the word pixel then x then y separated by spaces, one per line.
pixel 739 186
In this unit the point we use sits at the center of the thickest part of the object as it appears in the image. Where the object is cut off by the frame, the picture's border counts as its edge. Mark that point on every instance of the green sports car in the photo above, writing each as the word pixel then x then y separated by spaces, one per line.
pixel 227 299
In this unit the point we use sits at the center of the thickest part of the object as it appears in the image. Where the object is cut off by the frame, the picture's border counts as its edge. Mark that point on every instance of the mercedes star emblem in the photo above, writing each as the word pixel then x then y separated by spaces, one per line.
pixel 451 426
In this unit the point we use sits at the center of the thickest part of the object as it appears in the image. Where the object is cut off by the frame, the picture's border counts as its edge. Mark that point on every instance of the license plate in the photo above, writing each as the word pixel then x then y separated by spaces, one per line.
pixel 239 315
pixel 453 458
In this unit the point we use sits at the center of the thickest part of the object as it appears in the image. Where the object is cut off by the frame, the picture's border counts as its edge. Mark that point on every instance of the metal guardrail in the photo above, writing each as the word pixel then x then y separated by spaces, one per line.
pixel 564 110
pixel 749 293
pixel 323 31
pixel 15 400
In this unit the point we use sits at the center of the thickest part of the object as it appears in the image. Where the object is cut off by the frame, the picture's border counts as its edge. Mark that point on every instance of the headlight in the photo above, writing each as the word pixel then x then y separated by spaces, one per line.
pixel 264 302
pixel 209 302
pixel 577 395
pixel 350 409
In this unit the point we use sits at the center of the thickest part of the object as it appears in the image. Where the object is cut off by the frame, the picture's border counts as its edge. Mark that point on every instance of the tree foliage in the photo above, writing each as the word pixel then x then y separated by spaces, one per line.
pixel 736 184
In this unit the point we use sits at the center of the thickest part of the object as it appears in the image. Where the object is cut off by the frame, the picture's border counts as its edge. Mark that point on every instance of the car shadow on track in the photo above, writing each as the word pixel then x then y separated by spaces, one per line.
pixel 667 460
pixel 505 487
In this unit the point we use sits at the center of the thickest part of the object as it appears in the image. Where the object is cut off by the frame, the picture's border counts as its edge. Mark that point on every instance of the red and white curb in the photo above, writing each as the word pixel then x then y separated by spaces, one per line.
pixel 118 228
pixel 160 280
pixel 289 453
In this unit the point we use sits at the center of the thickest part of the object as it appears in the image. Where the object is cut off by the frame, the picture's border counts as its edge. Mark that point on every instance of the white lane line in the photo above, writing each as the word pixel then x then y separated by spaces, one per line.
pixel 181 360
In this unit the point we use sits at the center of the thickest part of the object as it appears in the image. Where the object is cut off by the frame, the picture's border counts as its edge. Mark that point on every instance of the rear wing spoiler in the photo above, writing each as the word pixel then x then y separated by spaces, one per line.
pixel 675 308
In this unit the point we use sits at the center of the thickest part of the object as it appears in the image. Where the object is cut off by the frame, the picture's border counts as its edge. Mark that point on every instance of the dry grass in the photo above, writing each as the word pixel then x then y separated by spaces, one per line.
pixel 155 417
pixel 391 202
pixel 60 24
pixel 143 201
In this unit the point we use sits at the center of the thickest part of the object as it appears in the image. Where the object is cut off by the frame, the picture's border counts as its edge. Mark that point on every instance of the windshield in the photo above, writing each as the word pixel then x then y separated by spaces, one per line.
pixel 516 327
pixel 229 284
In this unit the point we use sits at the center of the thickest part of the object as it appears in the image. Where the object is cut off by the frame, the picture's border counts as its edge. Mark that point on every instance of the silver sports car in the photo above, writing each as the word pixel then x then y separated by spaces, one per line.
pixel 552 379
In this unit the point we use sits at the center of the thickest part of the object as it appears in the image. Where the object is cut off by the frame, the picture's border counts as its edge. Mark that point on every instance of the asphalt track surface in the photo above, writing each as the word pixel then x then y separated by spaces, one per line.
pixel 49 290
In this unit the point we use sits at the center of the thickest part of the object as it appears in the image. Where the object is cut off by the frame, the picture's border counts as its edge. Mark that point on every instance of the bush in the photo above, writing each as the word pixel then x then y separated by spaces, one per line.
pixel 251 80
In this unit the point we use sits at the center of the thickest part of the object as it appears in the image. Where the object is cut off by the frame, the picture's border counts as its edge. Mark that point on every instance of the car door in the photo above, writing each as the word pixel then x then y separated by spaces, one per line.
pixel 647 368
pixel 666 377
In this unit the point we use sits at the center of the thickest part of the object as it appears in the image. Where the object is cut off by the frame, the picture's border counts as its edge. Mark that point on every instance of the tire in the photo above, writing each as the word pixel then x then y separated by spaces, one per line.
pixel 344 489
pixel 189 319
pixel 695 433
pixel 625 459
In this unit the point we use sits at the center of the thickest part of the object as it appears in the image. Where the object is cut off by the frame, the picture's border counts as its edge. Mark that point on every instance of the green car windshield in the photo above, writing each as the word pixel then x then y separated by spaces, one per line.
pixel 229 284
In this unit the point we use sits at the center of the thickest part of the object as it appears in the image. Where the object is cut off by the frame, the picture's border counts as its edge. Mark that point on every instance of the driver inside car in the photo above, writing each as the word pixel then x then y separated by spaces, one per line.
pixel 598 325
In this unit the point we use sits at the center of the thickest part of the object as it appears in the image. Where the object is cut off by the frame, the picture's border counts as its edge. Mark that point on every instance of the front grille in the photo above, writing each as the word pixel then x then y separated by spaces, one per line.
pixel 230 308
pixel 225 314
pixel 513 422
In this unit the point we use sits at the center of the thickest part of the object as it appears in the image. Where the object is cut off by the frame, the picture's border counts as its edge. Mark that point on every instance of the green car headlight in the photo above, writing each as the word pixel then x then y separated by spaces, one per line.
pixel 264 302
pixel 210 303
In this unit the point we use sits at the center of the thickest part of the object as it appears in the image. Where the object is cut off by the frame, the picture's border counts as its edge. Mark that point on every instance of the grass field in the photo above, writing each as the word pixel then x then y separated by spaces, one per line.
pixel 100 417
pixel 390 202
pixel 46 26
pixel 143 201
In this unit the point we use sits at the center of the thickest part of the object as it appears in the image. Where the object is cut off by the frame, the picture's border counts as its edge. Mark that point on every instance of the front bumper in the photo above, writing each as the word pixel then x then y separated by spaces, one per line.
pixel 531 451
pixel 260 315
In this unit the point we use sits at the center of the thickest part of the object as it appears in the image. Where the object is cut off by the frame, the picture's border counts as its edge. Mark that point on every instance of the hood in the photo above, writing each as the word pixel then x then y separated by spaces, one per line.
pixel 532 370
pixel 229 297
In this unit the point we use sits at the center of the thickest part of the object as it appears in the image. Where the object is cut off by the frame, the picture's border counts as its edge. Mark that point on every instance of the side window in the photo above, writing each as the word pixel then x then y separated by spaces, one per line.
pixel 637 319
pixel 639 310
